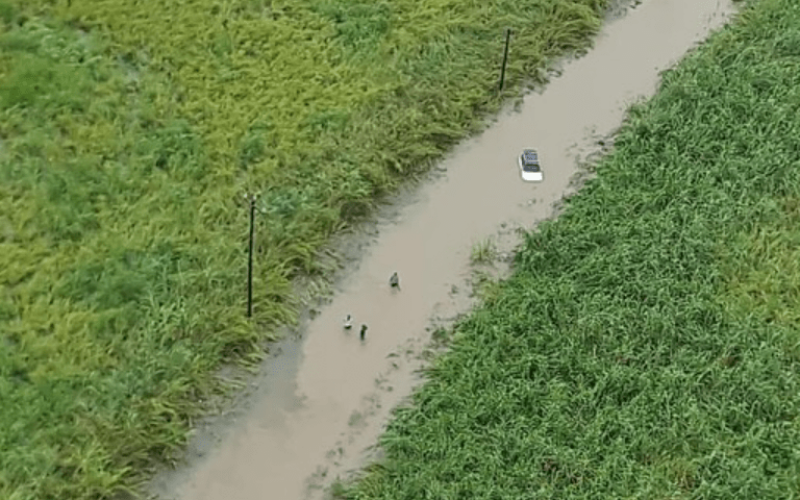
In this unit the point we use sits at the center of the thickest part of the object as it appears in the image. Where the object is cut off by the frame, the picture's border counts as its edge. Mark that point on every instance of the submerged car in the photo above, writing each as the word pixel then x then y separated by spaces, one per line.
pixel 529 166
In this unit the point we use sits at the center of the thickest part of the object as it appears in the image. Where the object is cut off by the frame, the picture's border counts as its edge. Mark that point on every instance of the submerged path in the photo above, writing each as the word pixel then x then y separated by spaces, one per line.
pixel 326 398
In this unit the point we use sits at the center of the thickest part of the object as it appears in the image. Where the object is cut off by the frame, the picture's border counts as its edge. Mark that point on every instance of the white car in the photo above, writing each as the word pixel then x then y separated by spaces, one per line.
pixel 529 166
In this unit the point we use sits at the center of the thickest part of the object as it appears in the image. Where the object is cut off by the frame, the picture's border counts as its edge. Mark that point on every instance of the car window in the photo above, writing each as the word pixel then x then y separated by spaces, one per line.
pixel 530 157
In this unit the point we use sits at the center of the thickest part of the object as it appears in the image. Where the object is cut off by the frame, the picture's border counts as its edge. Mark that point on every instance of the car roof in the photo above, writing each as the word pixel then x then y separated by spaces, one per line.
pixel 530 156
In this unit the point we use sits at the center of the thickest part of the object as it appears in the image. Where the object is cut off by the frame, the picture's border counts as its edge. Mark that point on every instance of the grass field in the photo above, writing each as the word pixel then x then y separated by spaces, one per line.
pixel 648 344
pixel 129 132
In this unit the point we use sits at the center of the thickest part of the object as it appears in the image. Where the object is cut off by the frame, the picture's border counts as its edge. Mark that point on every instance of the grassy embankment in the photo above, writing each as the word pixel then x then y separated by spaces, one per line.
pixel 129 132
pixel 648 344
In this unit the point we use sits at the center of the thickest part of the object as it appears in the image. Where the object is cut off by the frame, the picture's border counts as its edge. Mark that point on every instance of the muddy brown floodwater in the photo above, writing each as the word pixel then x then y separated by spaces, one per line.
pixel 323 402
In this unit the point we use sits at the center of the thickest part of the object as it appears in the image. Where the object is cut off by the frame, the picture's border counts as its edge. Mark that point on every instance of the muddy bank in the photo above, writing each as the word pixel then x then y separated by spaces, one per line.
pixel 323 398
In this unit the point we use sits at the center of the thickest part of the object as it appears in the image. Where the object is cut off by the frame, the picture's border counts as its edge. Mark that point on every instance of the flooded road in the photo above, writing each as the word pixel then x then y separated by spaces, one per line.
pixel 327 397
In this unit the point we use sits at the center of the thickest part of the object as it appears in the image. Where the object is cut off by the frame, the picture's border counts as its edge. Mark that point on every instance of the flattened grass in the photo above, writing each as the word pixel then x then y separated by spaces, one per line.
pixel 129 132
pixel 648 344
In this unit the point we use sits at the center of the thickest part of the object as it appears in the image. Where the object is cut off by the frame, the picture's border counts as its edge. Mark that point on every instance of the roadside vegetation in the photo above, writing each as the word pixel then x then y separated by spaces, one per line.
pixel 129 133
pixel 648 344
pixel 483 252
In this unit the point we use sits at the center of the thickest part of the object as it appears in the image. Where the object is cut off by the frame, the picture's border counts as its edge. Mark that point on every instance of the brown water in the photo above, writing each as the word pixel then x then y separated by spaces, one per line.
pixel 326 398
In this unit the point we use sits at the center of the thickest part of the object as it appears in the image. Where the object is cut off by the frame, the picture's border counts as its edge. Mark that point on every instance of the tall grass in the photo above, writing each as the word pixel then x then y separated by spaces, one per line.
pixel 648 344
pixel 483 252
pixel 129 132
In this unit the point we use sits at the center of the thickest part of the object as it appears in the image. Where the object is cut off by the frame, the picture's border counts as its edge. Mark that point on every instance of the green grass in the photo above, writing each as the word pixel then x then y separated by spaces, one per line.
pixel 648 344
pixel 483 252
pixel 129 133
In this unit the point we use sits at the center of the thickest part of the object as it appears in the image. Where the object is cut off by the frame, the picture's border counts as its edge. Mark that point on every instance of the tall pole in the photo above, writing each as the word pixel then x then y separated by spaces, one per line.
pixel 250 257
pixel 505 60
